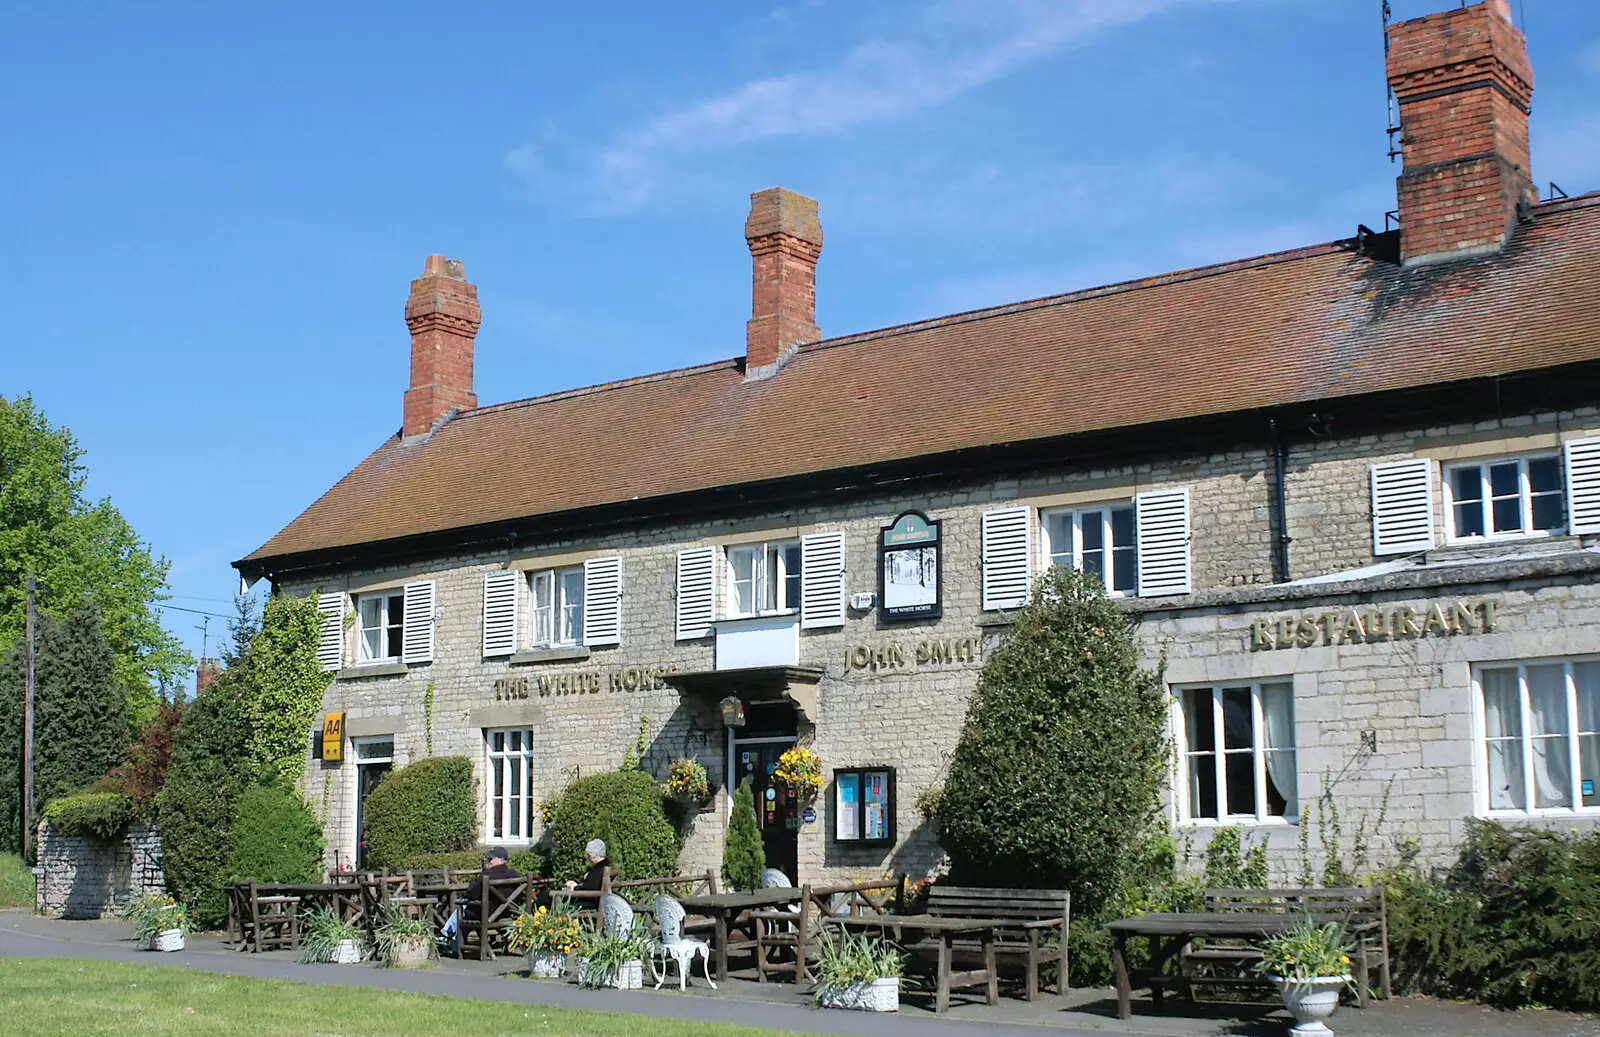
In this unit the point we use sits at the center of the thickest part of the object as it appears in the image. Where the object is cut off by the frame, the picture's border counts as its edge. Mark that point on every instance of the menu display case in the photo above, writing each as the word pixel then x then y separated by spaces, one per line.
pixel 863 806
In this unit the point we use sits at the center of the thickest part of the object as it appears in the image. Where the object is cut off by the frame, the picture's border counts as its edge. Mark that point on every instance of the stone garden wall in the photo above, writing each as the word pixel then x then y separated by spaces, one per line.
pixel 80 877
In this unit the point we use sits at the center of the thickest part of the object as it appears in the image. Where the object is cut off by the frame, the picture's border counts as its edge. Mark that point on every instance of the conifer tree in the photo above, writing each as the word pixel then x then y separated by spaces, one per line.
pixel 743 855
pixel 1059 766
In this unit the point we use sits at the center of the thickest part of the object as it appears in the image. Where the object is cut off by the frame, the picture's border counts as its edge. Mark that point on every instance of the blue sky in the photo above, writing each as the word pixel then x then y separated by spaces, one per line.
pixel 213 210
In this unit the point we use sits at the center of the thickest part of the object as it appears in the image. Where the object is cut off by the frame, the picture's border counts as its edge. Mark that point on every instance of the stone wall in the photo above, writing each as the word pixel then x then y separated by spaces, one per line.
pixel 80 877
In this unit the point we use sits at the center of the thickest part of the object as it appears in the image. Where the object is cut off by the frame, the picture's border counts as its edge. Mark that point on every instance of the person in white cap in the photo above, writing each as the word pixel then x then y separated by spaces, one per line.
pixel 593 879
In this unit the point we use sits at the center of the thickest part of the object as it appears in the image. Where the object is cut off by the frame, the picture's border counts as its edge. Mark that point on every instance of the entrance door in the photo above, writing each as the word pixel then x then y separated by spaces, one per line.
pixel 374 759
pixel 777 813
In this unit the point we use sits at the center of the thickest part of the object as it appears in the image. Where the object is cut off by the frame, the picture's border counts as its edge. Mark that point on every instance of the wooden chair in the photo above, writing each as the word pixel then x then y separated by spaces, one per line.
pixel 274 921
pixel 488 919
pixel 1031 926
pixel 1361 909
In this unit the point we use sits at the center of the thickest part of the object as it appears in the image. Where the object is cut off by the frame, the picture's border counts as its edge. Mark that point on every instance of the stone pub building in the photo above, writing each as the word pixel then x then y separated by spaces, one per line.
pixel 1352 491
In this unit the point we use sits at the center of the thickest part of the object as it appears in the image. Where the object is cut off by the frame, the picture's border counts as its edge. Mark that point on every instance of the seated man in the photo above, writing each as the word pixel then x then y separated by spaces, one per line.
pixel 494 867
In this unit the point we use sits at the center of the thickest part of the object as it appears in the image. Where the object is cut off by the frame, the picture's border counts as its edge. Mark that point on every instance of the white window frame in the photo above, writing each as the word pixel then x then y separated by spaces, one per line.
pixel 1526 737
pixel 763 580
pixel 388 652
pixel 1486 501
pixel 522 794
pixel 1074 553
pixel 1257 751
pixel 563 615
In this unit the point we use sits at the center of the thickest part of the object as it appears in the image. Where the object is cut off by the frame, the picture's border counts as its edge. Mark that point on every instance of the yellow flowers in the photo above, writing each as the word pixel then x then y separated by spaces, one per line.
pixel 800 770
pixel 544 930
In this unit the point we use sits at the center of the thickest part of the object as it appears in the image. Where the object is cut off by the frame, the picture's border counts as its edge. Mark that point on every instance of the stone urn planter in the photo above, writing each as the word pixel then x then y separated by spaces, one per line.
pixel 168 940
pixel 880 995
pixel 347 952
pixel 543 964
pixel 411 952
pixel 629 977
pixel 1310 1001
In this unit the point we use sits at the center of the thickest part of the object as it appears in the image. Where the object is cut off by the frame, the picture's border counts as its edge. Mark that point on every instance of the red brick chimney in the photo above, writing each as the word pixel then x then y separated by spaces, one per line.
pixel 443 316
pixel 1463 83
pixel 785 240
pixel 204 674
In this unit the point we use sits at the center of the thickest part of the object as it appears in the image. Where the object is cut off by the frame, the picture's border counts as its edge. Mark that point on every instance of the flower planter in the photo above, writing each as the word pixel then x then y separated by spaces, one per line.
pixel 1310 1001
pixel 880 995
pixel 347 952
pixel 546 964
pixel 411 953
pixel 629 977
pixel 145 942
pixel 168 940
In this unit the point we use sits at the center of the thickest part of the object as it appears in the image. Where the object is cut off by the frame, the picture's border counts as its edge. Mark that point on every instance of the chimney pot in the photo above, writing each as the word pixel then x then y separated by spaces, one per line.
pixel 443 315
pixel 785 240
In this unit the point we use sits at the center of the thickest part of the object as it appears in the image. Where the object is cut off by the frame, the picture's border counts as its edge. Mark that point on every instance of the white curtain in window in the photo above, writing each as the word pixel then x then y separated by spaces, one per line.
pixel 1552 770
pixel 1277 710
pixel 1502 710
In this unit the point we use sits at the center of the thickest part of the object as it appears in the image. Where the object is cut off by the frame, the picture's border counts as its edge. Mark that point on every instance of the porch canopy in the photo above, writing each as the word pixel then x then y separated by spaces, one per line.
pixel 703 691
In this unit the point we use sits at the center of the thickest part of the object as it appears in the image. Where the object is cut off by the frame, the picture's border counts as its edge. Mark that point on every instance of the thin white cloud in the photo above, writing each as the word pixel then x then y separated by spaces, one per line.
pixel 950 48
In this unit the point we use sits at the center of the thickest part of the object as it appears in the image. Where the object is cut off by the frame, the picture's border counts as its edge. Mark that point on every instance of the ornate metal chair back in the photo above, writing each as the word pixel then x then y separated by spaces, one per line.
pixel 616 912
pixel 669 916
pixel 772 878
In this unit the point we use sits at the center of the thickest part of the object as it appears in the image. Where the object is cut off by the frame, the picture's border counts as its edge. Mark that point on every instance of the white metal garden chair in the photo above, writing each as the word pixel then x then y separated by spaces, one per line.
pixel 772 878
pixel 616 914
pixel 671 943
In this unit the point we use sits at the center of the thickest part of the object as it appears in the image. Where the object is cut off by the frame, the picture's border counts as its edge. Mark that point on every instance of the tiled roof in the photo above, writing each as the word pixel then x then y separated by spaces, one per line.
pixel 1280 329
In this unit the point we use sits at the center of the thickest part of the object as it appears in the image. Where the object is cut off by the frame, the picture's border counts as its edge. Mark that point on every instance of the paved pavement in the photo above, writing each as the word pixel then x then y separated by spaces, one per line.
pixel 782 1006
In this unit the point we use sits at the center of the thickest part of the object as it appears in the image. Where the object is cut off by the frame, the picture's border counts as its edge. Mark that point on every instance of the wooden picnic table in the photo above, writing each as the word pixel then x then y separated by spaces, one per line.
pixel 724 908
pixel 343 897
pixel 945 929
pixel 449 896
pixel 1169 932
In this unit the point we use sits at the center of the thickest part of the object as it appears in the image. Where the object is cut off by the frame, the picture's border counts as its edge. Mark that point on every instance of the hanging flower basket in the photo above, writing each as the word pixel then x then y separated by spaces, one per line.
pixel 800 771
pixel 687 780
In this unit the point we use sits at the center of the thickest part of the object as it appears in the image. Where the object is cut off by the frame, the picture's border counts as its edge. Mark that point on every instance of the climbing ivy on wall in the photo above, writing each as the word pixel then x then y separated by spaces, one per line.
pixel 286 684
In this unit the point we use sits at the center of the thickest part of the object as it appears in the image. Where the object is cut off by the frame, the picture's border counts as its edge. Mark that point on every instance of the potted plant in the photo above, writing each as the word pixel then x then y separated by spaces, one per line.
pixel 687 780
pixel 800 771
pixel 1310 966
pixel 858 972
pixel 613 959
pixel 159 922
pixel 546 936
pixel 326 937
pixel 404 942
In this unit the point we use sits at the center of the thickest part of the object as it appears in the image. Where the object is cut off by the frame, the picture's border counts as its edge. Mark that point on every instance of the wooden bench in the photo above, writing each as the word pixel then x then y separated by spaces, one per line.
pixel 1360 909
pixel 1028 918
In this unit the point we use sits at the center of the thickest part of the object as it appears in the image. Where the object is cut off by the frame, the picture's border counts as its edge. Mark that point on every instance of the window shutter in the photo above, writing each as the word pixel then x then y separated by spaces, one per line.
pixel 417 646
pixel 1007 557
pixel 1582 457
pixel 1402 507
pixel 822 580
pixel 330 642
pixel 1162 519
pixel 500 594
pixel 602 601
pixel 697 592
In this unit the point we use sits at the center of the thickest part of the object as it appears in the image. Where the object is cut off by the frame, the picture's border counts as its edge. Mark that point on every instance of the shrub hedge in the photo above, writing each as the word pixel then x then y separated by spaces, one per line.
pixel 625 808
pixel 98 815
pixel 275 837
pixel 427 807
pixel 523 861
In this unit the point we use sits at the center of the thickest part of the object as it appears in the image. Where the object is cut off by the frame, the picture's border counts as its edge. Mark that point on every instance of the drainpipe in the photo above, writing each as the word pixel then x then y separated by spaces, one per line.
pixel 1280 516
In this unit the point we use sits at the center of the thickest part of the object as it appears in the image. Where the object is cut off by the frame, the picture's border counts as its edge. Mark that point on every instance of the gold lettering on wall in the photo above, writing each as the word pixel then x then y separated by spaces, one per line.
pixel 1371 625
pixel 583 682
pixel 894 656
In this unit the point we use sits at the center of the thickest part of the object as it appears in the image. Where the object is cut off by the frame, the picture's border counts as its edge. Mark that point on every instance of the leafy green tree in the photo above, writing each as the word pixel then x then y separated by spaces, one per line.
pixel 78 550
pixel 743 855
pixel 80 727
pixel 275 837
pixel 1059 767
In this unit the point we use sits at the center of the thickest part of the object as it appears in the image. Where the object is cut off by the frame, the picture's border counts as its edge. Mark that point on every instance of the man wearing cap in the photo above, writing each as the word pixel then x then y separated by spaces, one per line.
pixel 494 867
pixel 594 879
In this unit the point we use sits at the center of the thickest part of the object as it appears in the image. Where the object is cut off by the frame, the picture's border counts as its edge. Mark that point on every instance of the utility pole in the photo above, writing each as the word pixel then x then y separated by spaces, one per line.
pixel 27 728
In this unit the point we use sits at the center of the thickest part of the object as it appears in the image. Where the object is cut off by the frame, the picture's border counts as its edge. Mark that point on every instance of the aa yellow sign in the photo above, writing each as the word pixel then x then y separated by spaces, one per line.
pixel 332 737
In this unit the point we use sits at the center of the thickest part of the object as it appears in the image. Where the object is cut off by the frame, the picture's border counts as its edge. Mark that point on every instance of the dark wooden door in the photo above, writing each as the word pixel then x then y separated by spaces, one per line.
pixel 367 777
pixel 777 813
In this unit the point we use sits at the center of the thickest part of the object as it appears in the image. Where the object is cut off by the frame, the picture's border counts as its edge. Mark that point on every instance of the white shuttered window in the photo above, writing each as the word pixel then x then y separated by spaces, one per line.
pixel 1402 507
pixel 1163 538
pixel 697 592
pixel 419 613
pixel 330 640
pixel 1582 457
pixel 602 601
pixel 500 606
pixel 1007 557
pixel 822 580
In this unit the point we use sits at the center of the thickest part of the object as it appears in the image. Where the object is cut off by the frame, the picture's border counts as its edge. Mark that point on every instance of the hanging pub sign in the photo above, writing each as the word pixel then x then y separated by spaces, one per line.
pixel 332 737
pixel 909 570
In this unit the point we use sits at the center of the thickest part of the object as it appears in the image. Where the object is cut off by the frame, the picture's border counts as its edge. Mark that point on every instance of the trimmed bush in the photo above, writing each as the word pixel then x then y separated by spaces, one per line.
pixel 426 807
pixel 1058 770
pixel 97 815
pixel 523 861
pixel 626 809
pixel 275 837
pixel 743 855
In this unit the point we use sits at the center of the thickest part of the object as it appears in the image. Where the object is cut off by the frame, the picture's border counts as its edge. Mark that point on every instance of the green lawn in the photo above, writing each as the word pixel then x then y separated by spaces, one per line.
pixel 16 882
pixel 40 997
